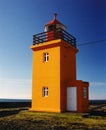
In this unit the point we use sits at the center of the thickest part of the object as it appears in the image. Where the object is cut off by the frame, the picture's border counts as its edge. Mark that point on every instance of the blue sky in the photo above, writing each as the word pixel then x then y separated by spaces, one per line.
pixel 20 19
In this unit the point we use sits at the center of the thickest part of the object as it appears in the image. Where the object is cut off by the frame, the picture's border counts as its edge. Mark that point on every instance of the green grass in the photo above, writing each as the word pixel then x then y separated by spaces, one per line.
pixel 22 119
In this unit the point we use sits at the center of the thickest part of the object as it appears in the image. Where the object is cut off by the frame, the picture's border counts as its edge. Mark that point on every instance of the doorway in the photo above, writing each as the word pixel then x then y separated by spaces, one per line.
pixel 71 99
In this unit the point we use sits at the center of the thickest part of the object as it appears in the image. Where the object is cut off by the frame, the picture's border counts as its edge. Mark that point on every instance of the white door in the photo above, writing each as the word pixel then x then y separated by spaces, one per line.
pixel 71 99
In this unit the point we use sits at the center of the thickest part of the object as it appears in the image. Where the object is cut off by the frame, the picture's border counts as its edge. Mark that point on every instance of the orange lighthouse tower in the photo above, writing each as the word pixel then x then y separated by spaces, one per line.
pixel 54 84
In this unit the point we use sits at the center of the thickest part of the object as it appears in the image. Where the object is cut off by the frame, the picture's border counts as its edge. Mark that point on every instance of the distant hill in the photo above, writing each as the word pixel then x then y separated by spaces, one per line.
pixel 97 102
pixel 15 100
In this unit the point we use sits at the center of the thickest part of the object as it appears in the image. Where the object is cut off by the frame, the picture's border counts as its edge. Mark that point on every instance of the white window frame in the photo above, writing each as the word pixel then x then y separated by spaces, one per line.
pixel 84 92
pixel 45 92
pixel 45 57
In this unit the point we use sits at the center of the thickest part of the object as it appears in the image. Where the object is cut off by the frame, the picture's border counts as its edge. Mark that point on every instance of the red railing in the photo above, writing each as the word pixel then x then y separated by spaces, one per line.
pixel 52 35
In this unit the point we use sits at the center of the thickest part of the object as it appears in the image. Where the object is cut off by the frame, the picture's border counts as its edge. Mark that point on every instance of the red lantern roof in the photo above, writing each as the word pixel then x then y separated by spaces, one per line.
pixel 54 21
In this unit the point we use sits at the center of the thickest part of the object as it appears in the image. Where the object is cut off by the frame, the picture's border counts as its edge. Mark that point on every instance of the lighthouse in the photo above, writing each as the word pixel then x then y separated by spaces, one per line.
pixel 54 84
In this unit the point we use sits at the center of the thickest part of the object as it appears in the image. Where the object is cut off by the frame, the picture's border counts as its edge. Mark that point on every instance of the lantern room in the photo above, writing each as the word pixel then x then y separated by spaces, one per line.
pixel 54 29
pixel 54 24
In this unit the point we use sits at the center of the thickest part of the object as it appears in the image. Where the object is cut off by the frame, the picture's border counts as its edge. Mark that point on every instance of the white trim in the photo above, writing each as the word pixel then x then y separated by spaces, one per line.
pixel 45 57
pixel 84 92
pixel 45 92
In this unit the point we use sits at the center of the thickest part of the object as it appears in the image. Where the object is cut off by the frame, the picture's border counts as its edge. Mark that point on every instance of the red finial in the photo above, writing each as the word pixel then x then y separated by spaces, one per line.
pixel 55 16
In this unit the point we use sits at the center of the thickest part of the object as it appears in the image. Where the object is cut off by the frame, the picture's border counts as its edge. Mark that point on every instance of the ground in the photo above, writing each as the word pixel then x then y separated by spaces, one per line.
pixel 22 119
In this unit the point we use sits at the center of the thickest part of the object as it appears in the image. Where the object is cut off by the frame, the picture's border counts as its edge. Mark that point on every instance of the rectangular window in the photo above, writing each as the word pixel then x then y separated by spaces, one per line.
pixel 45 91
pixel 45 57
pixel 85 92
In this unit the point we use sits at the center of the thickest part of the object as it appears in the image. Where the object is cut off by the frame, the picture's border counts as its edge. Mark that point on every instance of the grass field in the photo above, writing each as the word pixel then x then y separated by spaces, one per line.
pixel 22 119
